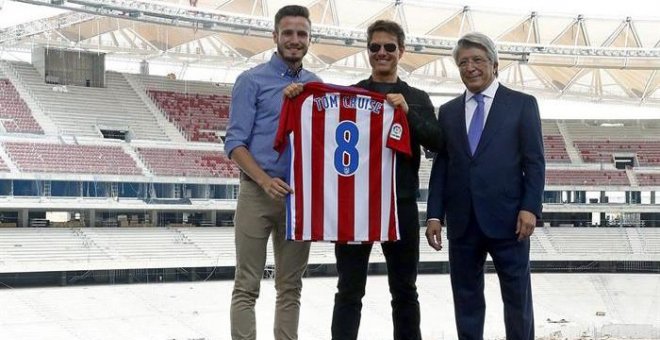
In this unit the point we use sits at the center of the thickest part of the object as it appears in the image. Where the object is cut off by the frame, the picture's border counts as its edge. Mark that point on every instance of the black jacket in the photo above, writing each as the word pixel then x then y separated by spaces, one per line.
pixel 424 130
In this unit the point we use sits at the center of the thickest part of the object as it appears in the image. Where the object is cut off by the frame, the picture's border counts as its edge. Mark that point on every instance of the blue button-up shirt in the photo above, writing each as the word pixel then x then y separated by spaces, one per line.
pixel 254 114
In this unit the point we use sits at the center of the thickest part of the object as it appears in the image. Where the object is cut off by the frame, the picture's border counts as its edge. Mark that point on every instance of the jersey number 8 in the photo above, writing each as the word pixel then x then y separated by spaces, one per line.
pixel 347 156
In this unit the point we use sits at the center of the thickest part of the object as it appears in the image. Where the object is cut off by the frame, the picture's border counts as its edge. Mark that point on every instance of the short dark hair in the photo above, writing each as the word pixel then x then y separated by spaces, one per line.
pixel 291 11
pixel 387 26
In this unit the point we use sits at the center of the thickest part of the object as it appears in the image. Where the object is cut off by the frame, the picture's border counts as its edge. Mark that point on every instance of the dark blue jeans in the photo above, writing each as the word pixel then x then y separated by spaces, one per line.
pixel 402 258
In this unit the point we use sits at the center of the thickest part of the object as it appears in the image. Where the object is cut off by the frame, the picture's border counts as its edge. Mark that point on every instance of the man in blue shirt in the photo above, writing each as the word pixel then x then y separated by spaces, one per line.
pixel 254 114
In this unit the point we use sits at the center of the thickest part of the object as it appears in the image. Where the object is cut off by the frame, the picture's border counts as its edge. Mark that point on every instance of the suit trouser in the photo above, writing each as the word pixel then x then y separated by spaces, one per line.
pixel 467 256
pixel 402 258
pixel 257 217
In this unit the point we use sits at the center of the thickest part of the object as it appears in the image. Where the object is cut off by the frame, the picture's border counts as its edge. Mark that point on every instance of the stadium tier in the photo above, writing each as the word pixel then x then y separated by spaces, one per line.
pixel 648 179
pixel 3 166
pixel 81 159
pixel 200 110
pixel 647 152
pixel 577 241
pixel 85 111
pixel 159 83
pixel 202 117
pixel 619 129
pixel 554 143
pixel 198 163
pixel 41 249
pixel 650 240
pixel 555 149
pixel 15 116
pixel 586 177
pixel 143 243
pixel 39 245
pixel 173 131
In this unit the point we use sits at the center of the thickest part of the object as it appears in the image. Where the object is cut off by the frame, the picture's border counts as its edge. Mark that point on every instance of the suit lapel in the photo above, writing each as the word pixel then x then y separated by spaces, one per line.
pixel 462 127
pixel 496 116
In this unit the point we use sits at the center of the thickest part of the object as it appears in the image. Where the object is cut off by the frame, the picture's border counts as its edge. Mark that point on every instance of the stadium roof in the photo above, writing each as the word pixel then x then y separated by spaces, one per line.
pixel 615 57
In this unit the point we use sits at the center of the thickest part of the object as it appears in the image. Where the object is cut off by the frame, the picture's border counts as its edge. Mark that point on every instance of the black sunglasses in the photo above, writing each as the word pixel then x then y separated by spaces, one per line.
pixel 374 48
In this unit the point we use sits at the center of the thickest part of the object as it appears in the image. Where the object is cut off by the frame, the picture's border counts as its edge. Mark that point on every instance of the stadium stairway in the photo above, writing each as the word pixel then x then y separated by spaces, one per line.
pixel 170 129
pixel 47 125
pixel 635 240
pixel 573 152
pixel 134 155
pixel 5 157
pixel 83 111
pixel 632 178
pixel 542 236
pixel 119 86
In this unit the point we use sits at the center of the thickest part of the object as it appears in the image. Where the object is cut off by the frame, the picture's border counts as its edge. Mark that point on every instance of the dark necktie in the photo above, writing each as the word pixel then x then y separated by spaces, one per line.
pixel 477 123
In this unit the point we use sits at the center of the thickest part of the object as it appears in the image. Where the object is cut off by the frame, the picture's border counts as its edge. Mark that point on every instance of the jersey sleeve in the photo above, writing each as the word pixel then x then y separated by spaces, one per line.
pixel 285 125
pixel 399 136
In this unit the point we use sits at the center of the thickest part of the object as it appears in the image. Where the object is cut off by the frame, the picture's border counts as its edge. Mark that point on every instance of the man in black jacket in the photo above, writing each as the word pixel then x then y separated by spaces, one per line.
pixel 385 42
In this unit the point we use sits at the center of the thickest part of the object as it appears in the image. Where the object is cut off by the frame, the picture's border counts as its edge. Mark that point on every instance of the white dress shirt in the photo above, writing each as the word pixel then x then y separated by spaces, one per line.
pixel 471 103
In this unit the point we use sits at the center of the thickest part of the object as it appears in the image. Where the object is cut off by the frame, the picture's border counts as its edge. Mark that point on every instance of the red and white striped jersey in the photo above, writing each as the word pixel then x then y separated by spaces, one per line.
pixel 343 143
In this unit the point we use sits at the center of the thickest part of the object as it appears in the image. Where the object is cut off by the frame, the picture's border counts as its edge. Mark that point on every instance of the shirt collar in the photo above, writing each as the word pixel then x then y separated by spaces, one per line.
pixel 282 68
pixel 398 85
pixel 489 92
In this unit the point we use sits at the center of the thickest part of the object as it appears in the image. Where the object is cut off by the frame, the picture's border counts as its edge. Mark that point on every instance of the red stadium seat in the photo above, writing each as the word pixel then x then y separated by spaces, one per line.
pixel 192 112
pixel 197 163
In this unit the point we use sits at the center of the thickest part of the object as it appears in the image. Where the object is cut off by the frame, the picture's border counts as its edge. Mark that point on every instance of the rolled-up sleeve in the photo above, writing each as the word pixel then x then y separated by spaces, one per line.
pixel 242 113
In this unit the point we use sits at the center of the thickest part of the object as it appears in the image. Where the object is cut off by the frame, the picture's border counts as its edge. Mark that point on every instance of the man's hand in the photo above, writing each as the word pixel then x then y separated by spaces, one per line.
pixel 275 187
pixel 396 99
pixel 293 90
pixel 434 234
pixel 526 224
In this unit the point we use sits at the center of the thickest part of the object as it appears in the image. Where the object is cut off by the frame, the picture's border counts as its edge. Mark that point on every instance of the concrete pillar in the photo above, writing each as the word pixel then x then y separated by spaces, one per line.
pixel 213 217
pixel 595 218
pixel 91 218
pixel 154 218
pixel 24 218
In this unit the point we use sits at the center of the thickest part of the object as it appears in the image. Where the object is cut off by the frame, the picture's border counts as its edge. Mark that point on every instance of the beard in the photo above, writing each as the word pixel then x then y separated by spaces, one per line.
pixel 289 58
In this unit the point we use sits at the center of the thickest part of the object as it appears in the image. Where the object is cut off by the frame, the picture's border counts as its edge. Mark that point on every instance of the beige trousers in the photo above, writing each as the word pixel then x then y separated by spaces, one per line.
pixel 257 217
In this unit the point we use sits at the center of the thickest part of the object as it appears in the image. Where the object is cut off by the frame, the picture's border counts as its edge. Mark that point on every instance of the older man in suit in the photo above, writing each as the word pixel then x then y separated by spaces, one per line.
pixel 486 186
